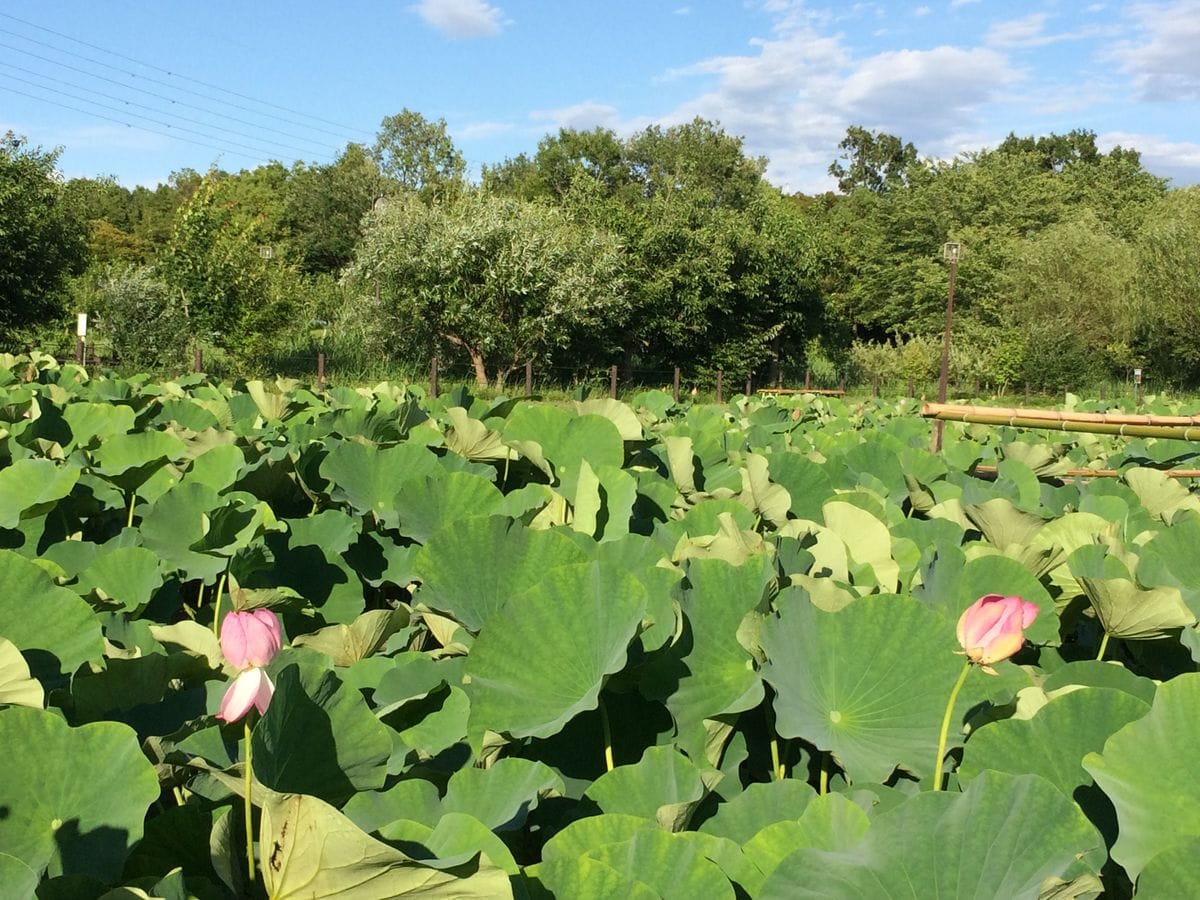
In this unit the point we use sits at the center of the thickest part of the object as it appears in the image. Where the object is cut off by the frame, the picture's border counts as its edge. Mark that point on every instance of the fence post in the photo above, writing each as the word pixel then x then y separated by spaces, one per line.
pixel 529 378
pixel 321 371
pixel 79 350
pixel 749 384
pixel 875 386
pixel 911 389
pixel 433 377
pixel 612 382
pixel 807 379
pixel 1027 393
pixel 675 385
pixel 197 360
pixel 720 385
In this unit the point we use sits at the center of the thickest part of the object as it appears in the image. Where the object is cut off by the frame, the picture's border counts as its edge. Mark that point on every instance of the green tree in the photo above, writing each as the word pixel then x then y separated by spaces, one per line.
pixel 43 243
pixel 875 161
pixel 142 318
pixel 325 208
pixel 499 279
pixel 415 154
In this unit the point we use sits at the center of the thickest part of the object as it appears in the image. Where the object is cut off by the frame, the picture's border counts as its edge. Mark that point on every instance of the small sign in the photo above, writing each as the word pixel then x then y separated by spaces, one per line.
pixel 1137 376
pixel 81 325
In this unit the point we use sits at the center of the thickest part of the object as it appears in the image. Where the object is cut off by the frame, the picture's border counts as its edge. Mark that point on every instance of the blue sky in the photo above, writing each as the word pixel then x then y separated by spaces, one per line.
pixel 297 80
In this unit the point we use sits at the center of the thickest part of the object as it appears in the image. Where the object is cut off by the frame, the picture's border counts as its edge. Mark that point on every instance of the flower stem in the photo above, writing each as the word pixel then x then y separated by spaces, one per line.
pixel 941 751
pixel 776 769
pixel 132 503
pixel 1103 646
pixel 249 807
pixel 607 729
pixel 217 605
pixel 824 785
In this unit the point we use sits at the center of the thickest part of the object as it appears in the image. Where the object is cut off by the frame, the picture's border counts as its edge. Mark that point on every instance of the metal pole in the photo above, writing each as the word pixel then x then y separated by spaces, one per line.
pixel 529 378
pixel 433 377
pixel 675 385
pixel 720 385
pixel 612 382
pixel 944 374
pixel 321 371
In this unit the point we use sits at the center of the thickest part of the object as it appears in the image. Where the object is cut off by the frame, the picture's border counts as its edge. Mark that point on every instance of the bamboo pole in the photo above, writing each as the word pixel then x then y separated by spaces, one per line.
pixel 931 410
pixel 990 471
pixel 1175 432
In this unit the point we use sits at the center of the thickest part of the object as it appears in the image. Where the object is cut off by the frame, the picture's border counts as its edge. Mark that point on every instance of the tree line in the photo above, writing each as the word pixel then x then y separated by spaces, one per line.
pixel 667 247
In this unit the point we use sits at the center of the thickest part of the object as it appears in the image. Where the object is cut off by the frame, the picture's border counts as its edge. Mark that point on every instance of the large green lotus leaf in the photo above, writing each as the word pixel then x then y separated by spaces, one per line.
pixel 34 485
pixel 868 540
pixel 413 798
pixel 19 879
pixel 868 683
pixel 74 798
pixel 473 567
pixel 436 724
pixel 707 672
pixel 457 839
pixel 586 835
pixel 705 518
pixel 1147 772
pixel 503 795
pixel 585 878
pixel 310 850
pixel 1023 479
pixel 1093 673
pixel 174 522
pixel 1172 874
pixel 1169 559
pixel 995 574
pixel 620 414
pixel 760 805
pixel 668 863
pixel 128 460
pixel 311 560
pixel 93 424
pixel 545 433
pixel 760 495
pixel 53 627
pixel 1053 744
pixel 681 462
pixel 128 576
pixel 1162 496
pixel 1124 609
pixel 829 822
pixel 347 644
pixel 640 557
pixel 1002 837
pixel 367 477
pixel 603 502
pixel 471 439
pixel 807 483
pixel 17 686
pixel 663 777
pixel 426 503
pixel 319 737
pixel 544 661
pixel 1014 532
pixel 218 467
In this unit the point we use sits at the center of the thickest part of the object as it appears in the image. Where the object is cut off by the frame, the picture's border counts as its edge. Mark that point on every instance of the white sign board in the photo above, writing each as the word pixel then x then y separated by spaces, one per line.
pixel 81 325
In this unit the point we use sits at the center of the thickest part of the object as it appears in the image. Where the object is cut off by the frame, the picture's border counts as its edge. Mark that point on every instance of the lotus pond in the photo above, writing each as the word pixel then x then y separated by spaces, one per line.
pixel 583 650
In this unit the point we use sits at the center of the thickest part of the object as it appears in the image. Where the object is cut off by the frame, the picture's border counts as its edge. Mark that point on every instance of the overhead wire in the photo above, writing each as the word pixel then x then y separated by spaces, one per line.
pixel 209 125
pixel 198 81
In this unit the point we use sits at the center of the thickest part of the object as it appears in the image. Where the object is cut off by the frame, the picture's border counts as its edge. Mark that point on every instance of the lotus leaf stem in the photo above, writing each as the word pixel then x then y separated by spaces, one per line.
pixel 132 503
pixel 217 604
pixel 824 785
pixel 607 729
pixel 249 807
pixel 1103 646
pixel 941 750
pixel 776 768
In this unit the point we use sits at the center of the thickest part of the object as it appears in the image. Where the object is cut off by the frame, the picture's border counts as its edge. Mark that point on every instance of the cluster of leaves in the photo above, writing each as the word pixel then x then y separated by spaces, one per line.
pixel 594 650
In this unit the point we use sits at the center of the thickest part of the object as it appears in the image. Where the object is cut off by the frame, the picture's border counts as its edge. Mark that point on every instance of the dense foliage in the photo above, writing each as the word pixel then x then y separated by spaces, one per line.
pixel 597 650
pixel 1078 264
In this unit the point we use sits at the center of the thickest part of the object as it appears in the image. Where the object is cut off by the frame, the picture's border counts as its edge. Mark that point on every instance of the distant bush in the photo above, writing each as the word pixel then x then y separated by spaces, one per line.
pixel 142 319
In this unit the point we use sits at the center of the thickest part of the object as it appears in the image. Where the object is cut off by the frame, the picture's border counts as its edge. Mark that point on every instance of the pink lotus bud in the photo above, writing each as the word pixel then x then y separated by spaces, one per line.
pixel 993 628
pixel 250 638
pixel 252 688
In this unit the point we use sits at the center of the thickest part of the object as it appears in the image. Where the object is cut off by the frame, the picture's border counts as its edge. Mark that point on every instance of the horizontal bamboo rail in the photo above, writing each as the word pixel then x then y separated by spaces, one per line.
pixel 1018 418
pixel 992 471
pixel 931 410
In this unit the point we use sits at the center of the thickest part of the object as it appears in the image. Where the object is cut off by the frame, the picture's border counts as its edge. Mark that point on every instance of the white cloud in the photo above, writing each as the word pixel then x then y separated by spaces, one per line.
pixel 683 11
pixel 1177 160
pixel 585 116
pixel 1163 61
pixel 474 131
pixel 1018 32
pixel 461 18
pixel 954 4
pixel 922 11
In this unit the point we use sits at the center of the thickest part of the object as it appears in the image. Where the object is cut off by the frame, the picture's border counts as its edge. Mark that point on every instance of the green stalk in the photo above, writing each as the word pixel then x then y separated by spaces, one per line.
pixel 941 751
pixel 776 769
pixel 1103 646
pixel 249 806
pixel 824 787
pixel 607 729
pixel 132 503
pixel 217 604
pixel 200 596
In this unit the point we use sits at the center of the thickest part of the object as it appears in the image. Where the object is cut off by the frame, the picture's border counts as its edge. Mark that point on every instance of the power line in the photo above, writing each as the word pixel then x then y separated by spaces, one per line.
pixel 134 115
pixel 127 102
pixel 157 81
pixel 169 99
pixel 86 112
pixel 214 87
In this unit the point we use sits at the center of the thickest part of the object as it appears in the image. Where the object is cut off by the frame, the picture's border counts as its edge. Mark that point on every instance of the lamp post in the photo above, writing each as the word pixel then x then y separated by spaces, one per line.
pixel 950 252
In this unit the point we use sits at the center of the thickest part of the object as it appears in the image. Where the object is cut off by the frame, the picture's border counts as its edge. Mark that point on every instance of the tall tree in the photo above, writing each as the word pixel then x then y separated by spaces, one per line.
pixel 43 242
pixel 876 161
pixel 499 279
pixel 416 154
pixel 325 209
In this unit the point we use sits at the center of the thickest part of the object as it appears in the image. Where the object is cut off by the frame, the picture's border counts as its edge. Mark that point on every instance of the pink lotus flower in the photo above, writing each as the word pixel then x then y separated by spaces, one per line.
pixel 250 638
pixel 249 641
pixel 253 688
pixel 993 628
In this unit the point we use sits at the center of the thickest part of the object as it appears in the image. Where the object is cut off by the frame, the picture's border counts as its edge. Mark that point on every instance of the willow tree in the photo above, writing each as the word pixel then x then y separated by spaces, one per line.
pixel 502 280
